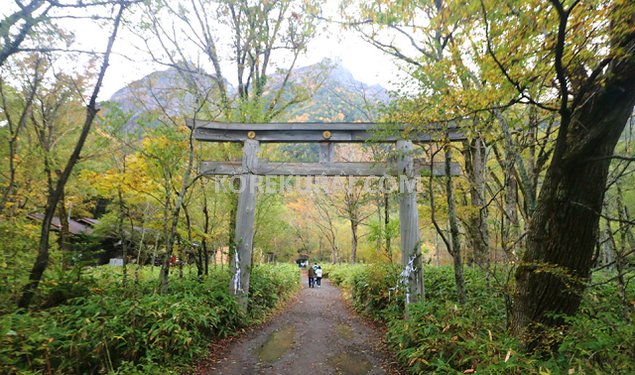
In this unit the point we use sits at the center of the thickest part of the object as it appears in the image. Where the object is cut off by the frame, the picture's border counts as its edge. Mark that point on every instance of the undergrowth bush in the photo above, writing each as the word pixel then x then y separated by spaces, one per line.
pixel 341 274
pixel 443 337
pixel 372 289
pixel 135 330
pixel 270 285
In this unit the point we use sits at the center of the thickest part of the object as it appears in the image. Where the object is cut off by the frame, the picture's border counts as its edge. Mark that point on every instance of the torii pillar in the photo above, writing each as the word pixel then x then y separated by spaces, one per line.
pixel 412 274
pixel 240 262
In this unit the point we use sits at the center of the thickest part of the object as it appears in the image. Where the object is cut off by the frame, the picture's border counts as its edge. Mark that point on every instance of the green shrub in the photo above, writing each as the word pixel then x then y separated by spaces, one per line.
pixel 601 338
pixel 135 330
pixel 19 238
pixel 341 274
pixel 439 336
pixel 374 293
pixel 269 286
pixel 95 334
pixel 442 337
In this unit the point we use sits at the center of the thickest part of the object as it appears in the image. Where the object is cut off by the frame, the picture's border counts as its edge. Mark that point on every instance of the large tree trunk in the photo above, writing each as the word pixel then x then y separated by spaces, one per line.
pixel 509 232
pixel 477 231
pixel 564 227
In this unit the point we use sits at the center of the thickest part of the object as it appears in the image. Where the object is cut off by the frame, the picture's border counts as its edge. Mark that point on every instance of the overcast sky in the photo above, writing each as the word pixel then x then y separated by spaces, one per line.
pixel 131 62
pixel 365 62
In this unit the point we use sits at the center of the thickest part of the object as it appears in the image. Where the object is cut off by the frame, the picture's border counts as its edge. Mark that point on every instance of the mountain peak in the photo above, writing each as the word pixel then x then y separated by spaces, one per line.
pixel 340 97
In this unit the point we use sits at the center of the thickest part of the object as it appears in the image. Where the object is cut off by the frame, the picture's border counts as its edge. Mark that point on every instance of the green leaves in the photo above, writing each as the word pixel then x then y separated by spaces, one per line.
pixel 137 329
pixel 442 337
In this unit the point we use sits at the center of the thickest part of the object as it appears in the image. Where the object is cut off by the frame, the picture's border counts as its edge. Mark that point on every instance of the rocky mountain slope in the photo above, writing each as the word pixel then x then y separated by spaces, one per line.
pixel 335 95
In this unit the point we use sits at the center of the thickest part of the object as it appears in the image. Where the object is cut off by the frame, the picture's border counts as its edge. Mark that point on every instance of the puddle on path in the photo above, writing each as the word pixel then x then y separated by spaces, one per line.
pixel 277 344
pixel 350 363
pixel 344 331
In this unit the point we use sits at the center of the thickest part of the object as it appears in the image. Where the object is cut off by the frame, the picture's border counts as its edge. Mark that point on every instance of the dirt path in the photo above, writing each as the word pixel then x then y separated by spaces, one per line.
pixel 316 334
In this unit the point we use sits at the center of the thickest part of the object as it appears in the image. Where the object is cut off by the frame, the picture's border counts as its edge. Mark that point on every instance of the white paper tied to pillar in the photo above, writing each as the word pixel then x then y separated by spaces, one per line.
pixel 236 280
pixel 404 278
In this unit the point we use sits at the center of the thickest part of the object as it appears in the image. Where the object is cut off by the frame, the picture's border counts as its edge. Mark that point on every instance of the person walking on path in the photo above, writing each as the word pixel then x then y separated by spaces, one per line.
pixel 311 277
pixel 318 276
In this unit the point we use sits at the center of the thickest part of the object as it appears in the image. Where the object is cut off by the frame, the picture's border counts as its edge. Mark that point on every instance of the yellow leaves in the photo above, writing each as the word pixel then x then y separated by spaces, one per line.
pixel 132 180
pixel 164 142
pixel 160 141
pixel 300 205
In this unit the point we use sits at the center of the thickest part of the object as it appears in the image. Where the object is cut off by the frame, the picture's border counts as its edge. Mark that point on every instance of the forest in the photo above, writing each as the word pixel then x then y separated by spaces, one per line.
pixel 124 250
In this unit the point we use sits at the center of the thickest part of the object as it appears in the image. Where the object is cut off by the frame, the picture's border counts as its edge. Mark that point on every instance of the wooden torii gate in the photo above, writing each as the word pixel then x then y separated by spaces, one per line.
pixel 326 134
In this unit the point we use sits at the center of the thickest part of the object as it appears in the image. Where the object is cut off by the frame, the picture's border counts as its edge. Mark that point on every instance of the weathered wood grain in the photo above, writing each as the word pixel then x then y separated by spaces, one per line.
pixel 361 169
pixel 245 216
pixel 409 223
pixel 320 132
pixel 327 152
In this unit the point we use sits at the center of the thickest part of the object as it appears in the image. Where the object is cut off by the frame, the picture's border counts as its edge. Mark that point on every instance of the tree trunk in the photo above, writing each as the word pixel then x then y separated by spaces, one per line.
pixel 333 253
pixel 621 261
pixel 354 241
pixel 164 271
pixel 231 233
pixel 63 240
pixel 172 234
pixel 122 234
pixel 387 219
pixel 514 165
pixel 477 231
pixel 509 232
pixel 41 262
pixel 140 247
pixel 564 227
pixel 455 240
pixel 14 131
pixel 379 240
pixel 206 230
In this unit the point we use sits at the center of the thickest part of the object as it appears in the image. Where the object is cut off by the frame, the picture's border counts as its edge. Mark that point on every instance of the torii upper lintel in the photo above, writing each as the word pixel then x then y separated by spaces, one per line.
pixel 337 132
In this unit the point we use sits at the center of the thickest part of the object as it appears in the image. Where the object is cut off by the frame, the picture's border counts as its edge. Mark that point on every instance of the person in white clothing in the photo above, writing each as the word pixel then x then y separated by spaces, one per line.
pixel 318 276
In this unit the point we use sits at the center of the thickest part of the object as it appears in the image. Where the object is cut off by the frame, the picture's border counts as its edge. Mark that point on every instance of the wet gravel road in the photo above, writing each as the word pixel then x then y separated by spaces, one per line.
pixel 316 334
